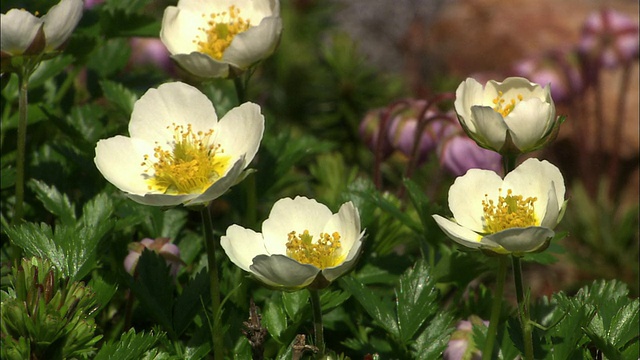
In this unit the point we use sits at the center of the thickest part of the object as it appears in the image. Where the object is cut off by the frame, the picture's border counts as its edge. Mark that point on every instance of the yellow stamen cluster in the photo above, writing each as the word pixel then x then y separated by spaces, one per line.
pixel 508 212
pixel 190 166
pixel 324 253
pixel 222 28
pixel 502 107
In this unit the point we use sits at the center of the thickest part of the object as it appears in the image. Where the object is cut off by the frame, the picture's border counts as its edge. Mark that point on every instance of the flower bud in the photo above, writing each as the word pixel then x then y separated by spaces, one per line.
pixel 170 252
pixel 370 128
pixel 459 346
pixel 458 153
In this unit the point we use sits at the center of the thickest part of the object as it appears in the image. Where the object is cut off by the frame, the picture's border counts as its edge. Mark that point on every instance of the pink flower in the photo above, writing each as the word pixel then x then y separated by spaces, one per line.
pixel 150 51
pixel 459 153
pixel 170 252
pixel 610 38
pixel 458 347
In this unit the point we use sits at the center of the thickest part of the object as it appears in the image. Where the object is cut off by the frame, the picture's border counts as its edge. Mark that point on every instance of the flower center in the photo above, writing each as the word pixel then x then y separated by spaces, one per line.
pixel 190 166
pixel 508 212
pixel 222 28
pixel 501 106
pixel 324 253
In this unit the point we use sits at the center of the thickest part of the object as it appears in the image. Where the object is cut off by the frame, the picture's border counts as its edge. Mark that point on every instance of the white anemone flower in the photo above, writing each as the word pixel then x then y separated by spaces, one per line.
pixel 23 33
pixel 210 38
pixel 516 215
pixel 510 117
pixel 178 152
pixel 302 244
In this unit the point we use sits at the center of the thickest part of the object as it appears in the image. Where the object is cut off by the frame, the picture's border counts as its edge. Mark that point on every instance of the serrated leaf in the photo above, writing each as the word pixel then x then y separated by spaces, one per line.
pixel 189 303
pixel 153 286
pixel 379 309
pixel 103 290
pixel 434 338
pixel 110 57
pixel 130 346
pixel 55 202
pixel 332 299
pixel 119 96
pixel 274 319
pixel 416 300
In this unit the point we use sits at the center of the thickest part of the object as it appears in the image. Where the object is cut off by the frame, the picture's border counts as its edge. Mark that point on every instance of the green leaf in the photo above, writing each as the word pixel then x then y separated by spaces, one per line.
pixel 416 300
pixel 275 320
pixel 379 309
pixel 189 303
pixel 294 302
pixel 118 95
pixel 434 338
pixel 8 178
pixel 128 6
pixel 48 69
pixel 153 286
pixel 130 346
pixel 110 57
pixel 104 291
pixel 55 202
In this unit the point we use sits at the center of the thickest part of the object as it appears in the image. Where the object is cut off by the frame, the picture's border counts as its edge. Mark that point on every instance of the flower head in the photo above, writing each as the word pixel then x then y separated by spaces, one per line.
pixel 511 117
pixel 23 33
pixel 515 215
pixel 211 38
pixel 302 244
pixel 610 38
pixel 170 252
pixel 178 152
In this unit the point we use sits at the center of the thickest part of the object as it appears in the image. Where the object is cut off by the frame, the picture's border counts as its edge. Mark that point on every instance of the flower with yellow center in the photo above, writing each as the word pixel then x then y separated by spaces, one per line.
pixel 221 38
pixel 178 152
pixel 510 117
pixel 302 244
pixel 516 214
pixel 24 33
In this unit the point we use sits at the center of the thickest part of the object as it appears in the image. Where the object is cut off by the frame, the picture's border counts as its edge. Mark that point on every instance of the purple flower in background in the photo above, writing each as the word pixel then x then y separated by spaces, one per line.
pixel 170 252
pixel 90 4
pixel 559 69
pixel 403 127
pixel 610 38
pixel 459 346
pixel 150 51
pixel 370 132
pixel 459 153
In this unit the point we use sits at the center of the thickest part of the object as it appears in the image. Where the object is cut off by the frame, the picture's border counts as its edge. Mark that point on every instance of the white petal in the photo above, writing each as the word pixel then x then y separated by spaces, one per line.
pixel 468 94
pixel 255 44
pixel 529 122
pixel 281 271
pixel 522 240
pixel 335 272
pixel 180 30
pixel 60 22
pixel 490 126
pixel 179 103
pixel 119 160
pixel 242 245
pixel 239 132
pixel 289 215
pixel 459 234
pixel 161 199
pixel 18 29
pixel 550 219
pixel 202 65
pixel 466 196
pixel 347 223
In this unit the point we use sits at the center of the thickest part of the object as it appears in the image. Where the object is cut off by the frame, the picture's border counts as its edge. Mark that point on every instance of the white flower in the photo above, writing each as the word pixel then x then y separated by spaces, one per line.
pixel 515 215
pixel 208 37
pixel 178 152
pixel 25 33
pixel 512 117
pixel 302 243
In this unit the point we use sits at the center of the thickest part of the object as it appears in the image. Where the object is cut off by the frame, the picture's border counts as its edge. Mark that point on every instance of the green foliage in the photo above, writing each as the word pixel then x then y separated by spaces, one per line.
pixel 130 345
pixel 45 315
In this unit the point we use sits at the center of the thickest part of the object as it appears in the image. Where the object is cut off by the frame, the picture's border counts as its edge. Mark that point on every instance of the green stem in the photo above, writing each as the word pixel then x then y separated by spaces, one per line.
pixel 210 245
pixel 487 352
pixel 523 308
pixel 317 321
pixel 508 163
pixel 23 102
pixel 241 89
